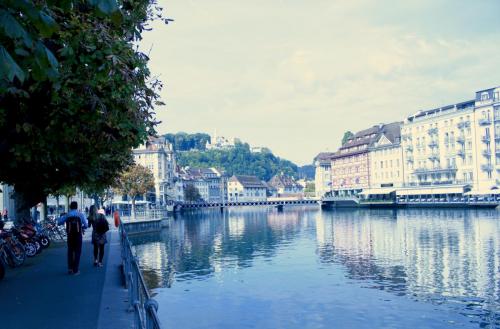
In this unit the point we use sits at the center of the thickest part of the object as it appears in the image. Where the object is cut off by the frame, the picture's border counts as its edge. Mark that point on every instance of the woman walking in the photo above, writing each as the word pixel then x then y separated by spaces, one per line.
pixel 92 215
pixel 100 227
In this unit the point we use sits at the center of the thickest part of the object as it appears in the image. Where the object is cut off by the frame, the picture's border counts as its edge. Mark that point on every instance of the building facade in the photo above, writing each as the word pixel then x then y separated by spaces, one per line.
pixel 157 155
pixel 246 189
pixel 323 174
pixel 486 125
pixel 350 164
pixel 285 186
pixel 386 158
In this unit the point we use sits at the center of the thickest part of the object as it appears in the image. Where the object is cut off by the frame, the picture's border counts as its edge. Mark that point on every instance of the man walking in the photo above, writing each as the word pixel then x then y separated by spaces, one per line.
pixel 75 224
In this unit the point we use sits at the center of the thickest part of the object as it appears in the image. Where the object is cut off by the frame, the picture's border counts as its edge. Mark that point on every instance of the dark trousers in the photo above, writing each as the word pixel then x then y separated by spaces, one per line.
pixel 98 249
pixel 74 252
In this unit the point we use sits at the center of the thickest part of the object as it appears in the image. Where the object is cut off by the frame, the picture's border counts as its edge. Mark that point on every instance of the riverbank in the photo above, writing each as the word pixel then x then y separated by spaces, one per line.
pixel 41 294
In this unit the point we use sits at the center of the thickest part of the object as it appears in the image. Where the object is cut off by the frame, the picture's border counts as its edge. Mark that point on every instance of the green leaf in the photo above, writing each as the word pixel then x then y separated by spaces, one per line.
pixel 11 26
pixel 8 67
pixel 46 25
pixel 52 59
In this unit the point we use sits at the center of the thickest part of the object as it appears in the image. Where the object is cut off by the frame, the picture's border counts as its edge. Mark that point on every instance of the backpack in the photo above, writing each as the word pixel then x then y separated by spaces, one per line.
pixel 73 225
pixel 101 225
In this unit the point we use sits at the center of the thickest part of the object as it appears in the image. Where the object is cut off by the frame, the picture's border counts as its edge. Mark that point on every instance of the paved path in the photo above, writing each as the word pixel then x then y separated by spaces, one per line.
pixel 41 294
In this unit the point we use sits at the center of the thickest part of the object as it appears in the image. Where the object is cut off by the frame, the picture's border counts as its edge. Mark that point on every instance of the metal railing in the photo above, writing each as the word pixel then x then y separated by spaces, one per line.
pixel 156 213
pixel 144 307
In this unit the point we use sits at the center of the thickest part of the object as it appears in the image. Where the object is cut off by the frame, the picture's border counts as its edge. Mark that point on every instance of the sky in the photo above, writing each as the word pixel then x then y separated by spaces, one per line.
pixel 294 75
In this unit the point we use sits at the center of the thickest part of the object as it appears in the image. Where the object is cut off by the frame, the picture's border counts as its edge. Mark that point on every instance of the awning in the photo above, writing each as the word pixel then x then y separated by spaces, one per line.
pixel 431 190
pixel 382 190
pixel 483 192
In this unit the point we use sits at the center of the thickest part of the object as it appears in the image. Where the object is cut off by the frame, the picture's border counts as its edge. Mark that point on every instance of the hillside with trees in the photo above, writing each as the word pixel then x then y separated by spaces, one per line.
pixel 239 160
pixel 182 141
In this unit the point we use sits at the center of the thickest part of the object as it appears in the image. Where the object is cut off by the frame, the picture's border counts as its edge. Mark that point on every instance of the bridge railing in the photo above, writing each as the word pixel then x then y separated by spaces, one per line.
pixel 147 214
pixel 144 307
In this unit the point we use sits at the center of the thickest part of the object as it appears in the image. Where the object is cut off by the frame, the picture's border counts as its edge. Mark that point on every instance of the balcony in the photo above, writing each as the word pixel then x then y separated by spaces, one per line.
pixel 433 144
pixel 484 121
pixel 432 131
pixel 486 153
pixel 434 156
pixel 436 169
pixel 461 139
pixel 485 139
pixel 496 118
pixel 461 153
pixel 463 124
pixel 487 167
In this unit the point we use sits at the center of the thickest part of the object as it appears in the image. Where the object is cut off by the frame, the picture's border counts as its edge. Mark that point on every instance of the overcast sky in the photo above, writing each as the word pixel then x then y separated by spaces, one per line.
pixel 293 75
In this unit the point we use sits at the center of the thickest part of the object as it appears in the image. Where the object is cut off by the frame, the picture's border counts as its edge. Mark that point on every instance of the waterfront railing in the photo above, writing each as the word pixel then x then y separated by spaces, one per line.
pixel 144 307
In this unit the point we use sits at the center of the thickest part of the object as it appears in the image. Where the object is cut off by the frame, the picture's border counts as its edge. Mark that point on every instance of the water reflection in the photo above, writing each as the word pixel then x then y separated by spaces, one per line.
pixel 437 256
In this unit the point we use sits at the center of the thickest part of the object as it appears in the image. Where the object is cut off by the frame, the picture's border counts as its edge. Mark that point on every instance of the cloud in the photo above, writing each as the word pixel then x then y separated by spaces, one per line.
pixel 294 76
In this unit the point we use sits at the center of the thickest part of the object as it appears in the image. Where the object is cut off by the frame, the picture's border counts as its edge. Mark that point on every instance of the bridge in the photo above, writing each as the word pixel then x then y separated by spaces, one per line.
pixel 275 203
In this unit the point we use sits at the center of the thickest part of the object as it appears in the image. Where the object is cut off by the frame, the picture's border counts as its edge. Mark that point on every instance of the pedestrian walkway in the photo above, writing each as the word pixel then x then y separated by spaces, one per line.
pixel 41 294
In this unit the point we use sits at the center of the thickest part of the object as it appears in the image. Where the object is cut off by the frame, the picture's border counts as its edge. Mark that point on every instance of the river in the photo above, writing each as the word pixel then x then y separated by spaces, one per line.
pixel 307 268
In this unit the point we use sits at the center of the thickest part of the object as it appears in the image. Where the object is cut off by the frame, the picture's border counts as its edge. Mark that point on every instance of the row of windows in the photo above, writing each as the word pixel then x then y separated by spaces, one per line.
pixel 351 159
pixel 390 174
pixel 349 170
pixel 387 163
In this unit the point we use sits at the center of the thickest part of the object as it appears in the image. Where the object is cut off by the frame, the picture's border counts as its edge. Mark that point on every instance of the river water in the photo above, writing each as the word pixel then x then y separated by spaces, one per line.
pixel 307 268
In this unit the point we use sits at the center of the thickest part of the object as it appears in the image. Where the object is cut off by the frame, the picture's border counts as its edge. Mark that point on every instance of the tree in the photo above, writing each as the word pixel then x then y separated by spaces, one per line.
pixel 191 193
pixel 75 94
pixel 134 181
pixel 348 134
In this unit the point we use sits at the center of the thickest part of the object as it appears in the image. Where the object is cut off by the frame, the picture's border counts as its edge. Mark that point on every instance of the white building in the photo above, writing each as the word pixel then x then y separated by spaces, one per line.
pixel 220 142
pixel 285 186
pixel 6 201
pixel 386 158
pixel 211 183
pixel 323 174
pixel 246 189
pixel 486 125
pixel 157 155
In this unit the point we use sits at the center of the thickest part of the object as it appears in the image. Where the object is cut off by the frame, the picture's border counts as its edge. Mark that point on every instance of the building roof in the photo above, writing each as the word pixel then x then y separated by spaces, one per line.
pixel 368 138
pixel 323 156
pixel 248 181
pixel 282 181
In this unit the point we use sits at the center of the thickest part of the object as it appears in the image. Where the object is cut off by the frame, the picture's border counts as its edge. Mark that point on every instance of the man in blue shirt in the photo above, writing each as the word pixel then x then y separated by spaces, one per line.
pixel 75 224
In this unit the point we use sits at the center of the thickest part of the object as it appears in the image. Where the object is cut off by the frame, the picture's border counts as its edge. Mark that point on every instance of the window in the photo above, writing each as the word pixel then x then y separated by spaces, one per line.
pixel 484 96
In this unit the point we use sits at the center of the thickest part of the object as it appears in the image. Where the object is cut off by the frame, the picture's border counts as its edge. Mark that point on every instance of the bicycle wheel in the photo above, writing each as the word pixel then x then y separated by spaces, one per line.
pixel 30 248
pixel 44 241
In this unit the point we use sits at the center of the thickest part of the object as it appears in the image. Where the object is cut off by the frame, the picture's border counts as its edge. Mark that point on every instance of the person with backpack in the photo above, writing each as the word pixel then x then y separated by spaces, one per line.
pixel 100 227
pixel 76 223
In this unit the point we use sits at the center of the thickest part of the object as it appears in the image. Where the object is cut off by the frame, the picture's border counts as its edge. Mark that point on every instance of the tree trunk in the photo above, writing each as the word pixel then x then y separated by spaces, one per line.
pixel 57 205
pixel 22 206
pixel 67 203
pixel 43 216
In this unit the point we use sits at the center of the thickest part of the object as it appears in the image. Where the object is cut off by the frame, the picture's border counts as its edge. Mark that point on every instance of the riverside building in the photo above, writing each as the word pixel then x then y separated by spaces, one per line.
pixel 157 155
pixel 446 154
pixel 350 165
pixel 323 174
pixel 246 189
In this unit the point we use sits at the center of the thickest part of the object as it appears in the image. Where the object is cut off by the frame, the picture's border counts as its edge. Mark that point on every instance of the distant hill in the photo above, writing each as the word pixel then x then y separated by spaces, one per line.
pixel 238 160
pixel 307 172
pixel 185 142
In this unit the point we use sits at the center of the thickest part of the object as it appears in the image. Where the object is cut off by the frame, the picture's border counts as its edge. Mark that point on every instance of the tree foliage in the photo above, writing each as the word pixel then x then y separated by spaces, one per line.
pixel 185 142
pixel 134 181
pixel 75 94
pixel 191 193
pixel 348 134
pixel 239 161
